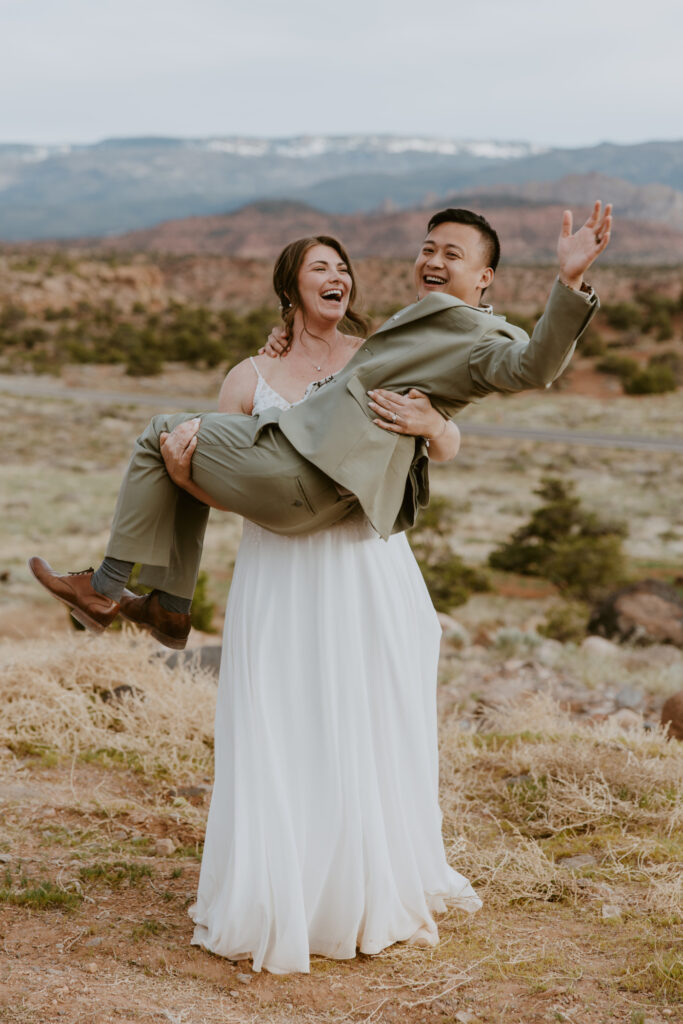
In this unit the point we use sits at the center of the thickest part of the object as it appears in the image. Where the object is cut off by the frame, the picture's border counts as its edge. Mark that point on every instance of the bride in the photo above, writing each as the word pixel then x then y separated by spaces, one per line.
pixel 324 832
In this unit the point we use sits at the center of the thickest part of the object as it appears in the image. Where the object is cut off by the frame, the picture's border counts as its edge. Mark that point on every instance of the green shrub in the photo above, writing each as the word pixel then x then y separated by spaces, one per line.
pixel 672 359
pixel 51 314
pixel 566 544
pixel 450 581
pixel 509 640
pixel 655 380
pixel 623 367
pixel 591 343
pixel 201 613
pixel 586 565
pixel 660 321
pixel 144 364
pixel 623 315
pixel 659 312
pixel 32 336
pixel 11 316
pixel 567 622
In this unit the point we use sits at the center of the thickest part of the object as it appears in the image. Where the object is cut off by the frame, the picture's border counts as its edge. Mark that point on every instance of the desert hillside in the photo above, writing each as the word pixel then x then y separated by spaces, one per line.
pixel 528 231
pixel 48 279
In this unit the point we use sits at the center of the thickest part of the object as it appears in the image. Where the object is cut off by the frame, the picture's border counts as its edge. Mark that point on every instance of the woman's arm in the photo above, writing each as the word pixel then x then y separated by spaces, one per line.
pixel 447 445
pixel 413 414
pixel 177 448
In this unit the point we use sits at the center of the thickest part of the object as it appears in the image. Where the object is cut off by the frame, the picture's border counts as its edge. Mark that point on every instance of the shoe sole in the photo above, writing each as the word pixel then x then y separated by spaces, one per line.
pixel 174 643
pixel 169 641
pixel 92 625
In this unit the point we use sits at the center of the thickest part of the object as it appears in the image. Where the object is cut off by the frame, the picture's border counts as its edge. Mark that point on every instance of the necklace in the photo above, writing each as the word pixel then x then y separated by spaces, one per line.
pixel 318 368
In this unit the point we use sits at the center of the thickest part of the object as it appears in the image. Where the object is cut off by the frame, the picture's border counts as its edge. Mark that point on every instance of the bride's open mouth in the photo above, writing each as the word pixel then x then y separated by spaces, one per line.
pixel 332 295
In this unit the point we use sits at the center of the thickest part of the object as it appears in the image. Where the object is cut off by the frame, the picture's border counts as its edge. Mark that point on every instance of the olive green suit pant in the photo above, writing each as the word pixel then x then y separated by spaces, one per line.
pixel 162 527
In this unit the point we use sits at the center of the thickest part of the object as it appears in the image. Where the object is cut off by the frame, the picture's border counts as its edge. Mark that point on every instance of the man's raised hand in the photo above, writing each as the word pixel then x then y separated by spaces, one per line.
pixel 577 251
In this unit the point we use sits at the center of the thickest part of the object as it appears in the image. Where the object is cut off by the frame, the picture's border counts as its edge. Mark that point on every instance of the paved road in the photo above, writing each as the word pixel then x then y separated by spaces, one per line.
pixel 39 388
pixel 575 437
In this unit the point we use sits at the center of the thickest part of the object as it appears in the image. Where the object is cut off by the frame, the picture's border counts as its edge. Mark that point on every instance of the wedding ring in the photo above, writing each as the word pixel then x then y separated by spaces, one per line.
pixel 394 416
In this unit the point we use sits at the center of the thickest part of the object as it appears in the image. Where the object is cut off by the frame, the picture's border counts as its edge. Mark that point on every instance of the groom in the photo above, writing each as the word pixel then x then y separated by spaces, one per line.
pixel 302 469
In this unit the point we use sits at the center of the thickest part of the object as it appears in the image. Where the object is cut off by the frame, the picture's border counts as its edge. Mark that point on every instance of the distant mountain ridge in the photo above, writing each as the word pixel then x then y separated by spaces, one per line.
pixel 528 230
pixel 120 185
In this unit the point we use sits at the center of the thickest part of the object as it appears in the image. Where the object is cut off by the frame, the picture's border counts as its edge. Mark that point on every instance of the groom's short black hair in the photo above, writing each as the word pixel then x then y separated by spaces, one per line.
pixel 454 215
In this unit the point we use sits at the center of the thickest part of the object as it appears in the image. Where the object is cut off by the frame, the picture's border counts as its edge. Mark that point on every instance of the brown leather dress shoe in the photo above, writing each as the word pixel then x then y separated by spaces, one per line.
pixel 74 589
pixel 170 628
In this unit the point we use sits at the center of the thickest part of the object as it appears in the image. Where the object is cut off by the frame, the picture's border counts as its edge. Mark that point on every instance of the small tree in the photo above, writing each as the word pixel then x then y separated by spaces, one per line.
pixel 623 315
pixel 623 367
pixel 591 343
pixel 566 544
pixel 654 380
pixel 672 359
pixel 449 580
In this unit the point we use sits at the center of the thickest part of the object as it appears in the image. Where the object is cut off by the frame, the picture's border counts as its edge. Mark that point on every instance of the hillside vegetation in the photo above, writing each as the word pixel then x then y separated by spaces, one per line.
pixel 59 309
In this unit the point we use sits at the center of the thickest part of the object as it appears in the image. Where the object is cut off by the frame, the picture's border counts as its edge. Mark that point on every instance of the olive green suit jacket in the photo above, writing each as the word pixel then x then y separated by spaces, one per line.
pixel 453 352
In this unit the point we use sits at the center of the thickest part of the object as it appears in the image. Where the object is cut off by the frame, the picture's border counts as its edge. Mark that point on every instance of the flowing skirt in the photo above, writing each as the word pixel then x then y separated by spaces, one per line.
pixel 324 832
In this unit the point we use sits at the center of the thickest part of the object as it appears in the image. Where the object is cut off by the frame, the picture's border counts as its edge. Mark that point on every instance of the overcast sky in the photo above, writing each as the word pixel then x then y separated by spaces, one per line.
pixel 553 73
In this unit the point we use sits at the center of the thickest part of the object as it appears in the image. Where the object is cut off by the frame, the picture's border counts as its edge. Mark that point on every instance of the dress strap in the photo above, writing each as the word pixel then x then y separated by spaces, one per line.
pixel 258 372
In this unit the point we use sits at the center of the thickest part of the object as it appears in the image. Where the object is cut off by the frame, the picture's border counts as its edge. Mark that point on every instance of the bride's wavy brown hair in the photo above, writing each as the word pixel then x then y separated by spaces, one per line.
pixel 286 284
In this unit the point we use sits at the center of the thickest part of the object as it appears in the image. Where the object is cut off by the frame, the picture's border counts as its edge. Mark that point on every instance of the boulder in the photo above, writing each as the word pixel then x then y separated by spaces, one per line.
pixel 629 697
pixel 164 847
pixel 627 719
pixel 207 657
pixel 597 645
pixel 549 652
pixel 672 715
pixel 646 612
pixel 576 863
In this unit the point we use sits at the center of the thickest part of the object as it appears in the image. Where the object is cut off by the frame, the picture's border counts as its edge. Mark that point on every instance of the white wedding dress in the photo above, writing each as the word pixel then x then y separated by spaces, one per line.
pixel 324 832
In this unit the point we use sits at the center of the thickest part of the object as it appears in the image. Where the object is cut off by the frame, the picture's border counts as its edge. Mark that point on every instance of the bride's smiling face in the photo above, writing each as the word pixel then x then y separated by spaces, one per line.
pixel 324 284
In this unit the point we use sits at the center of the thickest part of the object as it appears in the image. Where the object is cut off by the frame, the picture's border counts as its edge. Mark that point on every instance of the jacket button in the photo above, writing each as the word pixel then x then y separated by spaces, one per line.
pixel 297 504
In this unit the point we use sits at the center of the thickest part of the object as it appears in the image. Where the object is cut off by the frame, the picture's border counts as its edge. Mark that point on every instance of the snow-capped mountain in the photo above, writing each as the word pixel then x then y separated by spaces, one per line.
pixel 125 184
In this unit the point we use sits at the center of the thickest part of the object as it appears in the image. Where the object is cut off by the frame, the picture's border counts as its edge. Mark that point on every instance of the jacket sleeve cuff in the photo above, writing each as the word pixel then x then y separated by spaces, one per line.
pixel 585 292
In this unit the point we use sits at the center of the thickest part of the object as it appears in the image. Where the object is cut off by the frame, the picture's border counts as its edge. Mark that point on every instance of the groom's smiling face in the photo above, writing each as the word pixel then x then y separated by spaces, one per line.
pixel 453 260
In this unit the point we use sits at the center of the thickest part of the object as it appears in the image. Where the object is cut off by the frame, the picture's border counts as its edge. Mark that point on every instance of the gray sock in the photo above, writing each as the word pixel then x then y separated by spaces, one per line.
pixel 111 577
pixel 173 603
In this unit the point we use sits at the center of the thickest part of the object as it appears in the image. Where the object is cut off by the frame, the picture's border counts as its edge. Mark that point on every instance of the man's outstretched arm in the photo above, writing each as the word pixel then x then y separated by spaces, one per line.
pixel 504 360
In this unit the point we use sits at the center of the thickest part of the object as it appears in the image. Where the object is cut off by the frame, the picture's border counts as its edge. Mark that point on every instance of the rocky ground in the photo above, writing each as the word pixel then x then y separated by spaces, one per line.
pixel 567 821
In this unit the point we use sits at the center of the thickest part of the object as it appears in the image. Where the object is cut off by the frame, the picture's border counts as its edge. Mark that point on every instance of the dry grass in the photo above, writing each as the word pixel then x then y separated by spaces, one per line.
pixel 60 697
pixel 551 787
pixel 529 787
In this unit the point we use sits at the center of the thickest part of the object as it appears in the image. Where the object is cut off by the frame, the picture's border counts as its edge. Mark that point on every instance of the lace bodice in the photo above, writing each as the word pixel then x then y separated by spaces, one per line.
pixel 266 397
